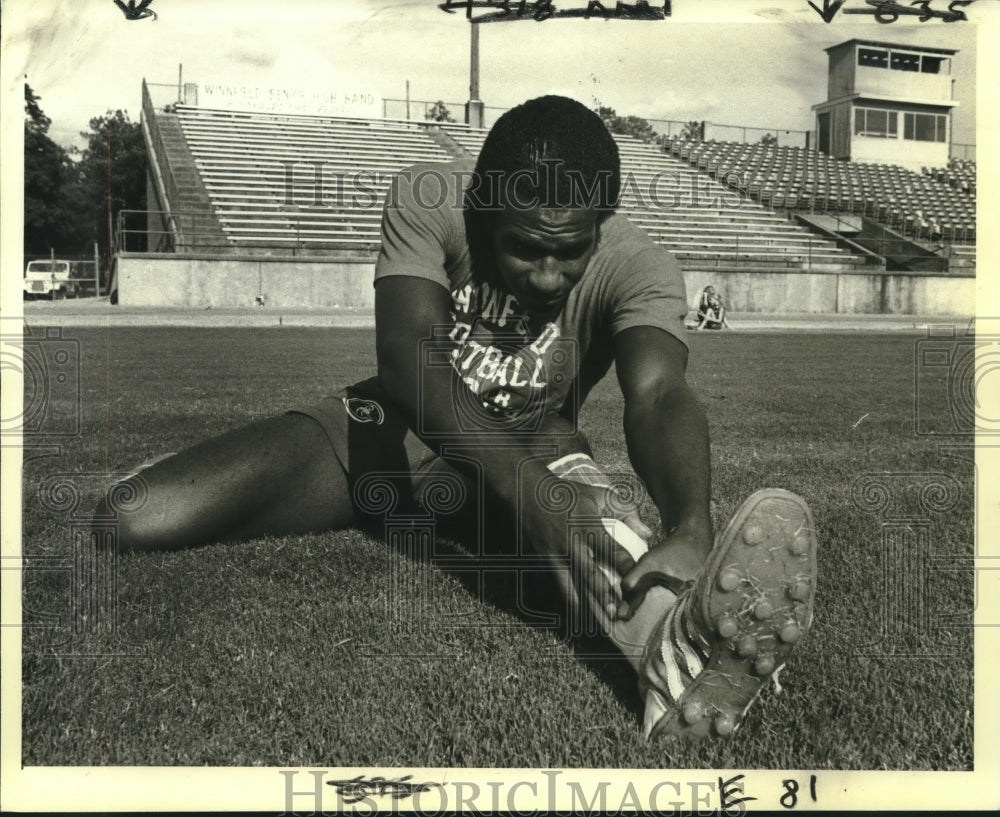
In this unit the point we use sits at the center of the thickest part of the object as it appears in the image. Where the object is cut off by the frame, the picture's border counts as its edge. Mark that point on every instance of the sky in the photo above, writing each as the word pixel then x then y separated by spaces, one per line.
pixel 750 63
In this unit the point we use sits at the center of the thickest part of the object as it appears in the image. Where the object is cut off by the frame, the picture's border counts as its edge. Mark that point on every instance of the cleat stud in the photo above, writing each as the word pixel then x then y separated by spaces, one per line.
pixel 692 712
pixel 725 724
pixel 753 535
pixel 790 633
pixel 729 580
pixel 746 646
pixel 763 609
pixel 800 590
pixel 727 626
pixel 764 665
pixel 799 546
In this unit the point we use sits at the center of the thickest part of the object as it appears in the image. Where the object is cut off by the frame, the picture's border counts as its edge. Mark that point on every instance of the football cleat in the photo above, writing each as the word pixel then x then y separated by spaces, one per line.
pixel 707 661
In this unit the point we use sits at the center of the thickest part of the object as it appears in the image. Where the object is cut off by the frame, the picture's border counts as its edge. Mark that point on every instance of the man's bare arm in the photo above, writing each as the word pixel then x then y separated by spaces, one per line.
pixel 667 437
pixel 407 309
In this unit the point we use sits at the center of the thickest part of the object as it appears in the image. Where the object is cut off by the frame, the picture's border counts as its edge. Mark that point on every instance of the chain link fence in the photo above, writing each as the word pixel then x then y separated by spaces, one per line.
pixel 419 110
pixel 716 132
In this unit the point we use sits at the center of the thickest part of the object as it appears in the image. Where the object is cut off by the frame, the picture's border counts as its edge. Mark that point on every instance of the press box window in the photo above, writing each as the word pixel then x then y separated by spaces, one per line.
pixel 925 127
pixel 904 62
pixel 933 65
pixel 872 122
pixel 873 58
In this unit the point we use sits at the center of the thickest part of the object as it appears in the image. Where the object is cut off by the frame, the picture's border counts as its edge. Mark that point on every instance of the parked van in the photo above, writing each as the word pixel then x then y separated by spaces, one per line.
pixel 49 279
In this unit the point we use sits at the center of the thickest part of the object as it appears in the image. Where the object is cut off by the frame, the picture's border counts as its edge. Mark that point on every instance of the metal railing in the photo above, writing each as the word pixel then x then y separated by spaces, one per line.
pixel 165 94
pixel 416 110
pixel 160 231
pixel 159 160
pixel 132 236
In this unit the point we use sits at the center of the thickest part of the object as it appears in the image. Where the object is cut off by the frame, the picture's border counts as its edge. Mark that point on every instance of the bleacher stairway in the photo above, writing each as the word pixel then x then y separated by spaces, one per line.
pixel 195 226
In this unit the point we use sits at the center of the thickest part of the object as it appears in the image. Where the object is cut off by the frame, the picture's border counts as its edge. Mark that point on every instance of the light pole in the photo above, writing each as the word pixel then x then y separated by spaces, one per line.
pixel 474 108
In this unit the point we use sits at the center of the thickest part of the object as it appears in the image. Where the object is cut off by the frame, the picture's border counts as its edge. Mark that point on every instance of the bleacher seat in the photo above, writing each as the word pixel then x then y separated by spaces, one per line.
pixel 800 179
pixel 293 181
pixel 278 181
pixel 692 218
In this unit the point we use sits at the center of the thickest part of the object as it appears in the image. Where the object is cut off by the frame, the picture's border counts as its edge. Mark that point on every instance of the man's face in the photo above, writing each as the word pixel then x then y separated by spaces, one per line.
pixel 541 254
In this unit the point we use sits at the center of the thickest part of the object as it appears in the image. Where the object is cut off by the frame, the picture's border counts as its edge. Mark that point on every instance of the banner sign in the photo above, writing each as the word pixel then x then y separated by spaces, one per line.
pixel 334 101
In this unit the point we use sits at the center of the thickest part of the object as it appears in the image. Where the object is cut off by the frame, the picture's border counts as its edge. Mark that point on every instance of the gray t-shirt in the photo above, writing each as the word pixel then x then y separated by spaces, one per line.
pixel 629 281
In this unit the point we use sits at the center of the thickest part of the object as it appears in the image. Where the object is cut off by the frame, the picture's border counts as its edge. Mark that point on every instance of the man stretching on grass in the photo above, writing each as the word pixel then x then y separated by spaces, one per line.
pixel 502 296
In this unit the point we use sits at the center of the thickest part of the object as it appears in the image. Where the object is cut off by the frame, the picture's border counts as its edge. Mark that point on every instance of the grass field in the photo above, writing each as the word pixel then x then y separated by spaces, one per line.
pixel 283 652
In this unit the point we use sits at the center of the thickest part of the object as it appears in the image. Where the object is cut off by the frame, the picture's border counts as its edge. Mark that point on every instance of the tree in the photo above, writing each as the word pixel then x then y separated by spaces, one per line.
pixel 439 113
pixel 112 173
pixel 634 126
pixel 36 121
pixel 693 131
pixel 51 193
pixel 67 202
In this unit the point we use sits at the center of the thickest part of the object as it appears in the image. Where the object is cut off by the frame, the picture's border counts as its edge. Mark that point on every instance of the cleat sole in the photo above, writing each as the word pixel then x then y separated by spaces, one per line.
pixel 770 608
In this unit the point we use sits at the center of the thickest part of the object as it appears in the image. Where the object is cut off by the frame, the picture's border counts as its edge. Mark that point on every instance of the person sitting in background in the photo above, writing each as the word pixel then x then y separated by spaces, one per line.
pixel 711 311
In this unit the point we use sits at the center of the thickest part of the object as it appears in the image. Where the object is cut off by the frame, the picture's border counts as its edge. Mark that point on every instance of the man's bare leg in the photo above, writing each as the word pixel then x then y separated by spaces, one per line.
pixel 274 477
pixel 630 637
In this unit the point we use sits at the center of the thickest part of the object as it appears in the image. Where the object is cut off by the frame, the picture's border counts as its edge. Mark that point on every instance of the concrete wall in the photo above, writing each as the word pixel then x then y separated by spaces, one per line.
pixel 833 292
pixel 174 281
pixel 902 84
pixel 840 79
pixel 840 131
pixel 907 153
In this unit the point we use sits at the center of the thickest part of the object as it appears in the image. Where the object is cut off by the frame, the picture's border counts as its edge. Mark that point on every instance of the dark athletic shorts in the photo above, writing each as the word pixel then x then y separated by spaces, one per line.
pixel 377 448
pixel 391 471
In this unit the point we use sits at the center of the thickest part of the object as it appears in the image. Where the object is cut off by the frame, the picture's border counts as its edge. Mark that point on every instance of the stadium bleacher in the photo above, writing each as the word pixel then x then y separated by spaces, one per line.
pixel 960 174
pixel 311 184
pixel 303 181
pixel 703 223
pixel 936 206
pixel 697 218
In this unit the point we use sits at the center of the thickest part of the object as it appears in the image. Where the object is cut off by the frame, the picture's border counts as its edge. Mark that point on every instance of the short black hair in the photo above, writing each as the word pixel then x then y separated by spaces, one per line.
pixel 548 152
